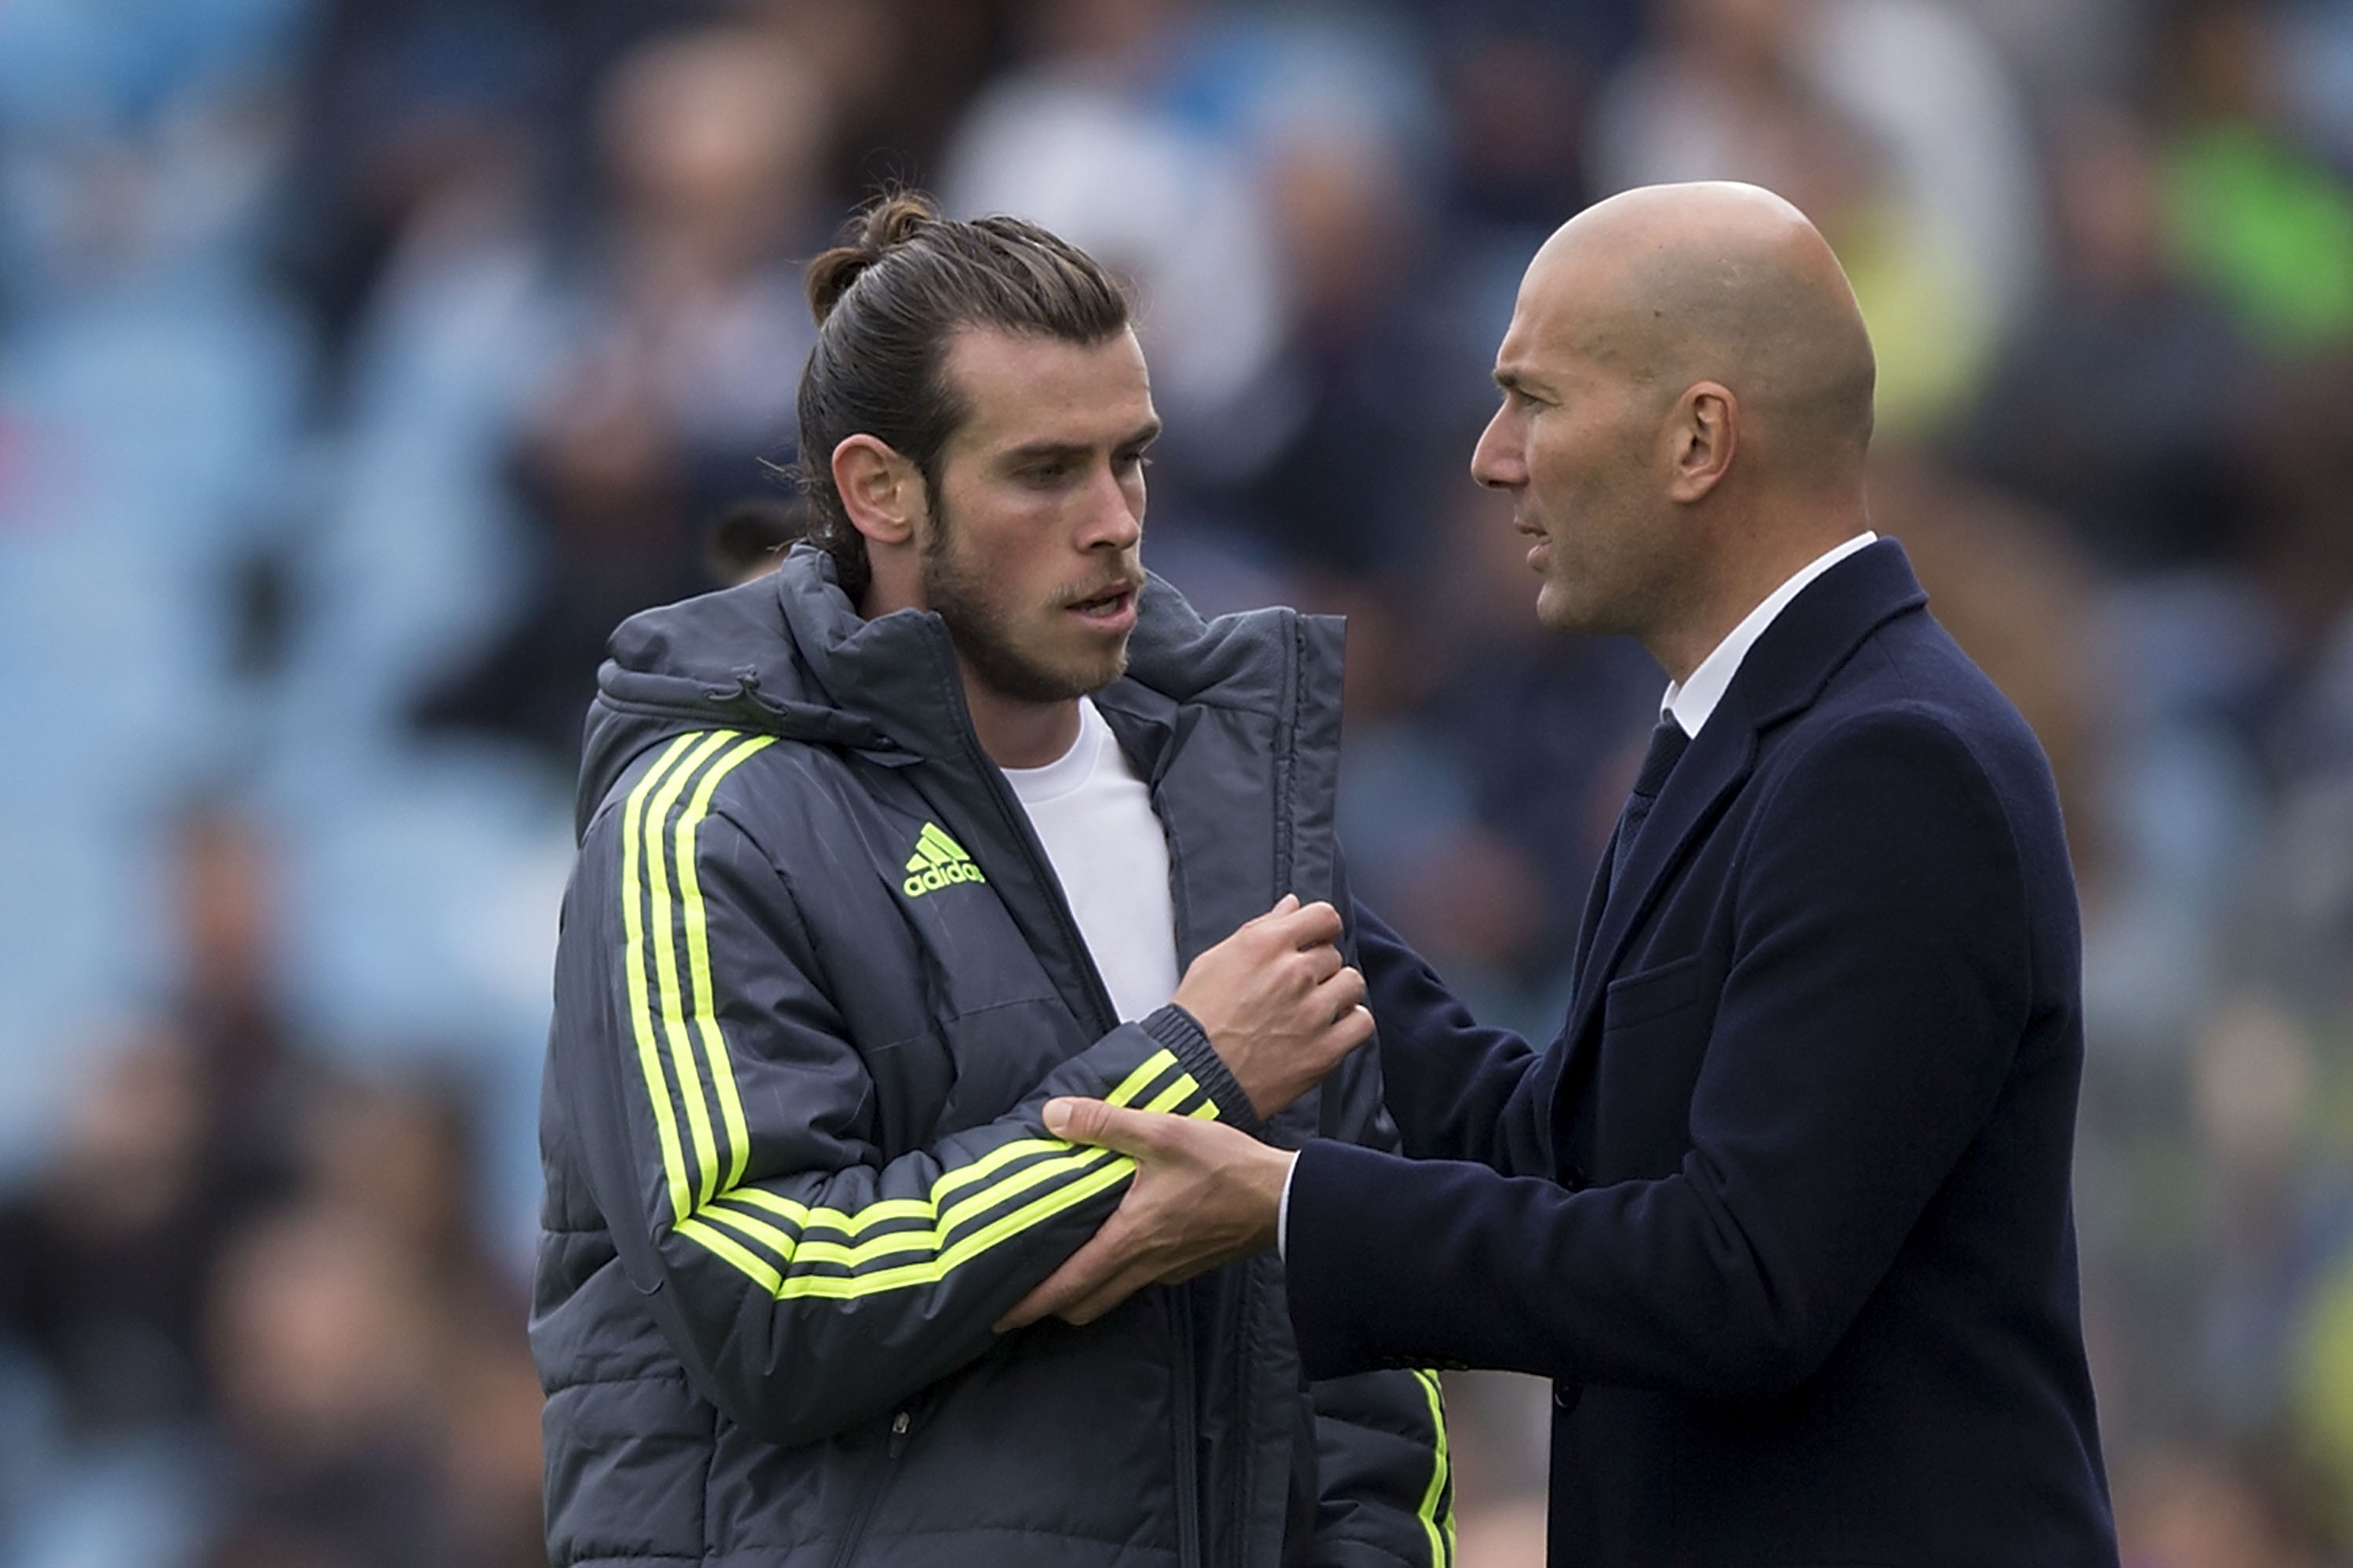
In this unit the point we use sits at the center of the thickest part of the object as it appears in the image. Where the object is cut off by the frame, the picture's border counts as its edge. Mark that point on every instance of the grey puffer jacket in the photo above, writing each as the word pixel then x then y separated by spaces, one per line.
pixel 815 980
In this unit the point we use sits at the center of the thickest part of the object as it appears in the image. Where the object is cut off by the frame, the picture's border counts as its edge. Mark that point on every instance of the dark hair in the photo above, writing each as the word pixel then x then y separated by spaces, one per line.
pixel 888 301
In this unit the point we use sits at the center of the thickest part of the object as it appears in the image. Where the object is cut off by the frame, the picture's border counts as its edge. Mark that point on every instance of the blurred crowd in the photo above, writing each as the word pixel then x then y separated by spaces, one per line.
pixel 363 362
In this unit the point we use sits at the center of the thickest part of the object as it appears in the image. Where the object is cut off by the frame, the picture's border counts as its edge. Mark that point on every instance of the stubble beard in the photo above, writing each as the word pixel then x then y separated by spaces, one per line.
pixel 984 631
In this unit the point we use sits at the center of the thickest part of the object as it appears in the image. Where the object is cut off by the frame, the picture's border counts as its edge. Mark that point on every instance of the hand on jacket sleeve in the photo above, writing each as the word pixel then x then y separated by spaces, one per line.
pixel 729 1130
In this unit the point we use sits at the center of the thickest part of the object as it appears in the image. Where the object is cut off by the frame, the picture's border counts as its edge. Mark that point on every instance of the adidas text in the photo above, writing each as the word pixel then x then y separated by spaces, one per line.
pixel 933 878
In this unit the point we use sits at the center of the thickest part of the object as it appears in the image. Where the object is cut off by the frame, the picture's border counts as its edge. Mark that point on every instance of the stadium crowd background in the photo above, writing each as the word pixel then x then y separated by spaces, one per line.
pixel 362 362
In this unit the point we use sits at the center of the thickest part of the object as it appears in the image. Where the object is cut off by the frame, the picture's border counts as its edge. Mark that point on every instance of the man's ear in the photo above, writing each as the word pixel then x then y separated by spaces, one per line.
pixel 879 490
pixel 1702 437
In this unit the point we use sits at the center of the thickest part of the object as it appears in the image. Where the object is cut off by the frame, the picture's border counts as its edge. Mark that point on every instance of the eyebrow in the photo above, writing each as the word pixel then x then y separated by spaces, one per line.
pixel 1038 451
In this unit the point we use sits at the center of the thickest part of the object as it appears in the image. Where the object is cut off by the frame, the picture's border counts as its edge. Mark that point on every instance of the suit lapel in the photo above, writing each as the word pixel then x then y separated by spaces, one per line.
pixel 1596 897
pixel 1783 675
pixel 1710 772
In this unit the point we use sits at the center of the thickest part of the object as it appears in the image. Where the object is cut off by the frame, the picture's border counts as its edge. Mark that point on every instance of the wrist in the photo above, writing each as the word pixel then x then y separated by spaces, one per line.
pixel 1178 1029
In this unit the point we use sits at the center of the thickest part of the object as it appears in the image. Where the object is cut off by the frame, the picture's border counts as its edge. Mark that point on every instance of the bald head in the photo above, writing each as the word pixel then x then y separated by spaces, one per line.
pixel 1686 409
pixel 1672 285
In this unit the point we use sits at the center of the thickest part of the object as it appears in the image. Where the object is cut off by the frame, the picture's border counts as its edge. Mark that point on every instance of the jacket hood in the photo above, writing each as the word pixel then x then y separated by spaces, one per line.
pixel 787 654
pixel 728 659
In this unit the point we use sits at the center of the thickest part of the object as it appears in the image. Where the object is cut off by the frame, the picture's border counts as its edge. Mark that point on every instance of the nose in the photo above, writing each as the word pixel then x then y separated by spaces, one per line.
pixel 1114 518
pixel 1498 461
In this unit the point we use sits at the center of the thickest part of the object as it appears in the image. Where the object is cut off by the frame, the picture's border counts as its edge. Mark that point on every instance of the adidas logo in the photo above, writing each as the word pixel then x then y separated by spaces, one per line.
pixel 938 860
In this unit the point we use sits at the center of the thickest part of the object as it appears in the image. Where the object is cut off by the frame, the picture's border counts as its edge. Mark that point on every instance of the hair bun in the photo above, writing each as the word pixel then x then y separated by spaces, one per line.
pixel 891 222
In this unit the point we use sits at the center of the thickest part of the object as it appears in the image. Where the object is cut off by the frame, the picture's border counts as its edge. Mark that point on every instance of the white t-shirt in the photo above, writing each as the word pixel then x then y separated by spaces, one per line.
pixel 1094 817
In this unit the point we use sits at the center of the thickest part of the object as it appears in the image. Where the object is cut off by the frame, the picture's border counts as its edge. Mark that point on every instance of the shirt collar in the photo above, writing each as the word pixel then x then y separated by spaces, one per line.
pixel 1689 702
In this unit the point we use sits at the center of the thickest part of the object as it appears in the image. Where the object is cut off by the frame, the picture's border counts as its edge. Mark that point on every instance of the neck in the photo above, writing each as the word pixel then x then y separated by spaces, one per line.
pixel 1018 734
pixel 1752 559
pixel 1014 731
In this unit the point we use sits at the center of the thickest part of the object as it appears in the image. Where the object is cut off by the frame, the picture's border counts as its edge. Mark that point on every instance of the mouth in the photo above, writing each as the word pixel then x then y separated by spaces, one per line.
pixel 1112 610
pixel 1539 546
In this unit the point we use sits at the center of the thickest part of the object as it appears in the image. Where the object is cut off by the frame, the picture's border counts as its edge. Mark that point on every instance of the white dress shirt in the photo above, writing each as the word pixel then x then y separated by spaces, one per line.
pixel 1689 704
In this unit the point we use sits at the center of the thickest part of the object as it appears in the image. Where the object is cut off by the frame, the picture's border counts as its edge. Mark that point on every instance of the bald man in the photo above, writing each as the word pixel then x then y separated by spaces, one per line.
pixel 1784 1209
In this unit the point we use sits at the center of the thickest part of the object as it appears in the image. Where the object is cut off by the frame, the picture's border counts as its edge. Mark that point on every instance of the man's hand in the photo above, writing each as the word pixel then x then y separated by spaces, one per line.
pixel 1277 1002
pixel 1204 1194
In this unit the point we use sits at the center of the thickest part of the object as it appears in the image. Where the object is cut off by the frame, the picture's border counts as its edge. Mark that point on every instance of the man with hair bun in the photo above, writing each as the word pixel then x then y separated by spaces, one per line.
pixel 957 812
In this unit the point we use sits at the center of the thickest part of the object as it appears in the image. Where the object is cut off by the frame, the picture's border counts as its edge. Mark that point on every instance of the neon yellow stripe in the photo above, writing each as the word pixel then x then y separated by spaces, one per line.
pixel 698 959
pixel 633 961
pixel 1062 1158
pixel 1441 1527
pixel 719 1242
pixel 843 1288
pixel 789 1249
pixel 1134 1084
pixel 929 1238
pixel 1168 1099
pixel 963 1176
pixel 1122 1093
pixel 1115 1168
pixel 988 1164
pixel 665 946
pixel 784 1245
pixel 834 1219
pixel 876 1212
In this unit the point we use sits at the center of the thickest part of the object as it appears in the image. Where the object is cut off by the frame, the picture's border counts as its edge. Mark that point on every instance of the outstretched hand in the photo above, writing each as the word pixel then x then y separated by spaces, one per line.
pixel 1203 1194
pixel 1279 1006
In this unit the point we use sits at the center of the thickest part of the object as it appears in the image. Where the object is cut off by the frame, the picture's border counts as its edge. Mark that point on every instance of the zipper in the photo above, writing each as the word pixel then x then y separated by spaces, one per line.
pixel 1243 1494
pixel 878 1480
pixel 1286 756
pixel 1183 1374
pixel 1188 1441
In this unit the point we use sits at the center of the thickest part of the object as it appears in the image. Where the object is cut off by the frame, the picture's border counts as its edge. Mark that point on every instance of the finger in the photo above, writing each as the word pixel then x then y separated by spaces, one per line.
pixel 1343 990
pixel 1081 1275
pixel 1324 962
pixel 1335 995
pixel 1030 1308
pixel 1103 1126
pixel 1108 1294
pixel 1281 910
pixel 1076 1279
pixel 1351 1029
pixel 1313 924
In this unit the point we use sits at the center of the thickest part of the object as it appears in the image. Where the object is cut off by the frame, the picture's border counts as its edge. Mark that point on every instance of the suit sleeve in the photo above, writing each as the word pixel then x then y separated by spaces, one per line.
pixel 728 1128
pixel 1878 988
pixel 1384 1468
pixel 1456 1089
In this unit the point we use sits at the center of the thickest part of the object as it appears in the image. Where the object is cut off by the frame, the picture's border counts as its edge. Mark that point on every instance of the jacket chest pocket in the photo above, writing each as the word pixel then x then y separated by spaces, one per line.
pixel 1655 1026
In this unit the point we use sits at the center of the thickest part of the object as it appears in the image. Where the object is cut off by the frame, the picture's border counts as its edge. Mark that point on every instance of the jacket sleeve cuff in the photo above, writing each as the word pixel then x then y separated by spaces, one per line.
pixel 1182 1034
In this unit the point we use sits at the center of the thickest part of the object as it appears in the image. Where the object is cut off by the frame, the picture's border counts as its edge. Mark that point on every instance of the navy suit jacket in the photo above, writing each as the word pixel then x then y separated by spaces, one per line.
pixel 1784 1210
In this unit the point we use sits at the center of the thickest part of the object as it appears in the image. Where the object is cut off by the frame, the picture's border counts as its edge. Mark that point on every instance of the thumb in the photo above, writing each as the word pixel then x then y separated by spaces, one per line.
pixel 1094 1122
